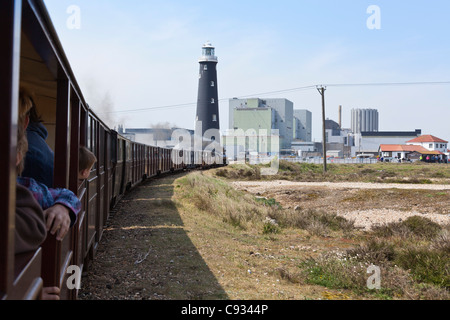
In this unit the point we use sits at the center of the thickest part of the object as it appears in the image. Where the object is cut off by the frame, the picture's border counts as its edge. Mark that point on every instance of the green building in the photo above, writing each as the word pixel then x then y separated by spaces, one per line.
pixel 255 128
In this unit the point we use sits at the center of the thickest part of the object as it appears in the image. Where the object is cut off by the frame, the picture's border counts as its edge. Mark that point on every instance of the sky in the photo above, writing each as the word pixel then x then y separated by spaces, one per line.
pixel 136 61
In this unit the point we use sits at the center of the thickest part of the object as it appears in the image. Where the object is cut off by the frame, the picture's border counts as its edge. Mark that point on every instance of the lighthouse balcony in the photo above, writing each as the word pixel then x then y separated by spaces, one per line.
pixel 208 59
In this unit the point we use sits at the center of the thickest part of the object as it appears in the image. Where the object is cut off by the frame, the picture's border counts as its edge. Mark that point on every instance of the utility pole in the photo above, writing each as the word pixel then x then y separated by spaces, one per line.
pixel 321 90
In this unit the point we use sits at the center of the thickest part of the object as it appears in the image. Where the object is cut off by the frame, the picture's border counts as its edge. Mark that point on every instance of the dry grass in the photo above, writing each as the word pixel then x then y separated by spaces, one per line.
pixel 415 269
pixel 219 199
pixel 421 173
pixel 199 238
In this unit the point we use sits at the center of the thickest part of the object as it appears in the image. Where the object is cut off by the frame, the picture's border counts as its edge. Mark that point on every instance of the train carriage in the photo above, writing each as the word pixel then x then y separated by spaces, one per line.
pixel 29 59
pixel 33 57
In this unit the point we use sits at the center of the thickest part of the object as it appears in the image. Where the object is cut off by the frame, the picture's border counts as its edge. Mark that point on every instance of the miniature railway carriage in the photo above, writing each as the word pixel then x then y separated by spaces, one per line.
pixel 32 56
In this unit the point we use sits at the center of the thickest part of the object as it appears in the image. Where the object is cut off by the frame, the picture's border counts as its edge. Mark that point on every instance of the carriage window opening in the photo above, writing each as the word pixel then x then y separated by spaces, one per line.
pixel 89 146
pixel 94 137
pixel 101 153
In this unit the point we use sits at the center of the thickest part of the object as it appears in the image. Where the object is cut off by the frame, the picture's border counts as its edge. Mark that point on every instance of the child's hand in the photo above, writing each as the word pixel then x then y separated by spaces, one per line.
pixel 58 220
pixel 50 293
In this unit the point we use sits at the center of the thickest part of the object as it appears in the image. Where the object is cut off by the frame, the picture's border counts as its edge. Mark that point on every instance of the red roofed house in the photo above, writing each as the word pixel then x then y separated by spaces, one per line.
pixel 430 143
pixel 423 146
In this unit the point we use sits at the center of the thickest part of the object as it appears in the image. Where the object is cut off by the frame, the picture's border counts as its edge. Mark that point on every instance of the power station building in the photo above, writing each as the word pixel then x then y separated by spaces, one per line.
pixel 267 114
pixel 302 126
pixel 364 120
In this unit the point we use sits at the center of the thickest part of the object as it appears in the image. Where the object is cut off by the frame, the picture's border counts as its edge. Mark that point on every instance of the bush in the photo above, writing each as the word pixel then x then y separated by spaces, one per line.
pixel 442 242
pixel 413 226
pixel 375 251
pixel 347 271
pixel 222 173
pixel 271 227
pixel 335 271
pixel 422 227
pixel 429 266
pixel 271 202
pixel 317 222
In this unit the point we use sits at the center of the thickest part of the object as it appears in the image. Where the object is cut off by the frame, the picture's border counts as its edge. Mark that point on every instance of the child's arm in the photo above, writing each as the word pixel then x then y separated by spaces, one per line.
pixel 61 206
pixel 69 200
pixel 62 215
pixel 58 220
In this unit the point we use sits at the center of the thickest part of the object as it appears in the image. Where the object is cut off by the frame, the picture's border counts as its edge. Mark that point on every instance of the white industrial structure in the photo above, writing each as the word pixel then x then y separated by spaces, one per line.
pixel 364 120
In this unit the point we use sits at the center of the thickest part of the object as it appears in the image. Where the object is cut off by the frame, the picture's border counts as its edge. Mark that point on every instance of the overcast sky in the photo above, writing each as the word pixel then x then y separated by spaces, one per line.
pixel 137 60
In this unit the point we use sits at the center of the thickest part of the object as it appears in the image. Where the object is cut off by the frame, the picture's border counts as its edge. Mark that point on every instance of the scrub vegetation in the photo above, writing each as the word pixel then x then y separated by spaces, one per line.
pixel 412 254
pixel 412 173
pixel 195 236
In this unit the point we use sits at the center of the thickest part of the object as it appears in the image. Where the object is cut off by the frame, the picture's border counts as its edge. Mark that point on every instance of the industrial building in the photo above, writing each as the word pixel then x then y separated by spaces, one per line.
pixel 364 120
pixel 369 142
pixel 340 142
pixel 272 115
pixel 160 137
pixel 302 126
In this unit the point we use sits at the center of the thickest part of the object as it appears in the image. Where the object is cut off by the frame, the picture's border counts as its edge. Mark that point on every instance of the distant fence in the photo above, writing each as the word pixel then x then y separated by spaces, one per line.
pixel 266 160
pixel 332 160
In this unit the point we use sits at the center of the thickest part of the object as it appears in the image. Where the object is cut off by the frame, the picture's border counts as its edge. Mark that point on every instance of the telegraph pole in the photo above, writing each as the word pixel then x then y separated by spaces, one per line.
pixel 321 90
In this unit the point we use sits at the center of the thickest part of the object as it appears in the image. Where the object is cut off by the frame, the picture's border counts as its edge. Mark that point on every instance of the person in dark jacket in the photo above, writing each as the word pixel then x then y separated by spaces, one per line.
pixel 39 159
pixel 30 223
pixel 30 230
pixel 31 220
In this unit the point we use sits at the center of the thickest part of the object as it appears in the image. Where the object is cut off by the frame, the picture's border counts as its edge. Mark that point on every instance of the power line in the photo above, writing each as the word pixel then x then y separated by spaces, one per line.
pixel 389 84
pixel 279 91
pixel 183 105
pixel 378 84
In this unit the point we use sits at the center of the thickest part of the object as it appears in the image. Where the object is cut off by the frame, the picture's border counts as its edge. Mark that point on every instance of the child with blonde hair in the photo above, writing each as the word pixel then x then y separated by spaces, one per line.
pixel 86 160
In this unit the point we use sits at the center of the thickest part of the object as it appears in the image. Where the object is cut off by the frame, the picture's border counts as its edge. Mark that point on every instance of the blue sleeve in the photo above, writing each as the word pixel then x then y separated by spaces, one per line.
pixel 68 199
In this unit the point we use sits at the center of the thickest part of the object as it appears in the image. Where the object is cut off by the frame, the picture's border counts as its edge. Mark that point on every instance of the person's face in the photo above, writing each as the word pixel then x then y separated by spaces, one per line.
pixel 18 158
pixel 84 174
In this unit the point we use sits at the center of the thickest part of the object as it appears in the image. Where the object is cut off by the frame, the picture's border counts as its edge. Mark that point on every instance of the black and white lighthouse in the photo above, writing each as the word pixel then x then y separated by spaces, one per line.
pixel 207 126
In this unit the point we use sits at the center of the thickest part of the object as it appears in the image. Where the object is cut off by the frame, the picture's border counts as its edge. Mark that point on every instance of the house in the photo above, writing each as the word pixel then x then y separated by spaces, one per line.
pixel 417 148
pixel 430 143
pixel 400 151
